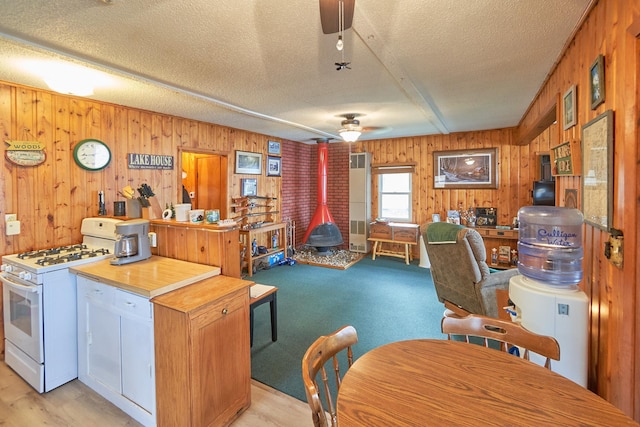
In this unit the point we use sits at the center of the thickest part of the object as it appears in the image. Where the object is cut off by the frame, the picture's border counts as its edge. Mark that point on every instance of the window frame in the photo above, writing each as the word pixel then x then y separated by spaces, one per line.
pixel 381 174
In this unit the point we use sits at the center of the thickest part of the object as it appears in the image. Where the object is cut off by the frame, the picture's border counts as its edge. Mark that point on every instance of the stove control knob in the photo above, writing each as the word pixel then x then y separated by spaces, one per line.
pixel 24 275
pixel 7 268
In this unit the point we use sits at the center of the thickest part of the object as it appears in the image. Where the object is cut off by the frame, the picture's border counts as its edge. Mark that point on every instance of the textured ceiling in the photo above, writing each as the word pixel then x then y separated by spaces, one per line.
pixel 418 67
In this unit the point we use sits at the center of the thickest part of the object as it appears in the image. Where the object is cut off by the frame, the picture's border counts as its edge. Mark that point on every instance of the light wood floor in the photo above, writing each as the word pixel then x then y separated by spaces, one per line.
pixel 75 404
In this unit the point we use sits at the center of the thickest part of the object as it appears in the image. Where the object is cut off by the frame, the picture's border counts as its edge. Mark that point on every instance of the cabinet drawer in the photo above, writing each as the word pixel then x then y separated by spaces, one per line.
pixel 500 234
pixel 409 235
pixel 380 231
pixel 223 306
pixel 98 292
pixel 132 304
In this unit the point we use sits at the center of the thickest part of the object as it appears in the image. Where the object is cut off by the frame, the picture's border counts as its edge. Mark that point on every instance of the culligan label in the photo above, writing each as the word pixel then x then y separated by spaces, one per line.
pixel 558 237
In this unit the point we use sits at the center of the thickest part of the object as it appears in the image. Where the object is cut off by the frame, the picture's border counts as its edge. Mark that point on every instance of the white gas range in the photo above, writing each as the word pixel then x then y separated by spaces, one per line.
pixel 40 319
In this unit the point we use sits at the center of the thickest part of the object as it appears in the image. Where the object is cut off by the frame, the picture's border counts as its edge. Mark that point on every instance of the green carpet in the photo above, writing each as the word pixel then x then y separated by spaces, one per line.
pixel 385 300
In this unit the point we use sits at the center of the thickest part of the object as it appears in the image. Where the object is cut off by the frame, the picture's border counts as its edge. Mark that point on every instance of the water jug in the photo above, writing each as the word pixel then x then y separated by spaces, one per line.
pixel 550 244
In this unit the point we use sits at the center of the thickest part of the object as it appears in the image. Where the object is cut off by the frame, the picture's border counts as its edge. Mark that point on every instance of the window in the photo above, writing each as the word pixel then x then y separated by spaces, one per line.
pixel 394 196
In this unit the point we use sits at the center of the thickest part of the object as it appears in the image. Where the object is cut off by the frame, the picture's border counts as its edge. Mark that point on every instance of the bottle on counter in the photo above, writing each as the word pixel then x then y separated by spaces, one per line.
pixel 254 247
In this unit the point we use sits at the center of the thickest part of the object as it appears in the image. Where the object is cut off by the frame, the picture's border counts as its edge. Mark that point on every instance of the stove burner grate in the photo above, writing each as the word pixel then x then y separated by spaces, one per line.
pixel 53 251
pixel 73 256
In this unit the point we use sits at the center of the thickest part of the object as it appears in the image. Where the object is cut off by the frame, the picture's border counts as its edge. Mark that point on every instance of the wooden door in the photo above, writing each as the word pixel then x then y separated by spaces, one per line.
pixel 211 183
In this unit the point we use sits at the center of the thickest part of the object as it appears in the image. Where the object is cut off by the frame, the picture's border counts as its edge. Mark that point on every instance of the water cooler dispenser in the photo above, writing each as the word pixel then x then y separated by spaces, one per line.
pixel 546 296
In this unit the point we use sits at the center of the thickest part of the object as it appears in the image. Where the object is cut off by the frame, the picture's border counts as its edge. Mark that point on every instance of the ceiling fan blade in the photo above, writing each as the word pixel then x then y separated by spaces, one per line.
pixel 329 15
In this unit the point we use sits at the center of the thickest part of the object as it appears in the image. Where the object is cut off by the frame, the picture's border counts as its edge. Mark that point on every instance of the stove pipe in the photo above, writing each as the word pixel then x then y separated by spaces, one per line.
pixel 322 232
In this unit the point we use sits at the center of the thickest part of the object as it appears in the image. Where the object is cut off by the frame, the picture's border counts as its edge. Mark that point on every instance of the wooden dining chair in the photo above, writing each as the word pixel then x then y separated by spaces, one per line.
pixel 506 333
pixel 316 357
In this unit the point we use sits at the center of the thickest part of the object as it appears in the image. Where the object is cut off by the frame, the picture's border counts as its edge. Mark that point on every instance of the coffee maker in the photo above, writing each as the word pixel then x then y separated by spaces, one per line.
pixel 132 242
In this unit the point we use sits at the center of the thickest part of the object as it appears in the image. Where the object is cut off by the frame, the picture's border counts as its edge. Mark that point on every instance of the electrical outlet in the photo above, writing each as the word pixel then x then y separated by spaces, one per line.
pixel 153 239
pixel 10 217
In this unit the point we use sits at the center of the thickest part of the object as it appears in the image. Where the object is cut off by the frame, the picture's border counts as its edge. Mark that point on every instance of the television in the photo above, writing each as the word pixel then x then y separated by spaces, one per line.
pixel 544 193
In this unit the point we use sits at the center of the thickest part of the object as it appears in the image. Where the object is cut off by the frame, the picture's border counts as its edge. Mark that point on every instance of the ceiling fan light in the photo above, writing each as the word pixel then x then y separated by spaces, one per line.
pixel 340 44
pixel 350 135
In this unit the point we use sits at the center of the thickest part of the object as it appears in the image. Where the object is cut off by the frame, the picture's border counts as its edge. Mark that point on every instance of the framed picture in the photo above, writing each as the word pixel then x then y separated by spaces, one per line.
pixel 274 166
pixel 274 148
pixel 565 159
pixel 486 217
pixel 466 168
pixel 571 198
pixel 596 82
pixel 248 163
pixel 504 254
pixel 453 217
pixel 248 187
pixel 435 217
pixel 597 164
pixel 569 108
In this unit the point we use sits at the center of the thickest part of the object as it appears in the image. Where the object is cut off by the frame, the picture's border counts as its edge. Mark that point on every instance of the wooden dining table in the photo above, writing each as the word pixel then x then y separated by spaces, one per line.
pixel 441 382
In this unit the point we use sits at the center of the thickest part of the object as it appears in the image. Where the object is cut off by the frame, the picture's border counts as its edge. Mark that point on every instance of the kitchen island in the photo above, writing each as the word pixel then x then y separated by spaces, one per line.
pixel 153 327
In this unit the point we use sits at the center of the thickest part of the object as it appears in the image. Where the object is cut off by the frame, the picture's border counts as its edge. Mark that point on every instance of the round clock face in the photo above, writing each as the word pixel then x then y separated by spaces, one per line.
pixel 92 154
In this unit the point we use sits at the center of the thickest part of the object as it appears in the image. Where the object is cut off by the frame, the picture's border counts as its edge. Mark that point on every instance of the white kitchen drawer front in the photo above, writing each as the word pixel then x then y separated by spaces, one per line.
pixel 96 291
pixel 134 305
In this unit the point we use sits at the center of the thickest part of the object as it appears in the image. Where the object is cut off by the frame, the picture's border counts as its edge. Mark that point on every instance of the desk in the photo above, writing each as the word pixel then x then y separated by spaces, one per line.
pixel 440 382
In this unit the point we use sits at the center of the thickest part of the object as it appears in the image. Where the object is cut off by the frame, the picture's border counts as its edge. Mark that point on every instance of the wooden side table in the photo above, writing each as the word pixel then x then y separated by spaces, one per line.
pixel 378 251
pixel 396 233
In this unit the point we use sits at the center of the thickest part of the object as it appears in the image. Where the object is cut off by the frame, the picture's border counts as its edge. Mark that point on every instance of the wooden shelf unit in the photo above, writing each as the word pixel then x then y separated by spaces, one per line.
pixel 495 237
pixel 263 236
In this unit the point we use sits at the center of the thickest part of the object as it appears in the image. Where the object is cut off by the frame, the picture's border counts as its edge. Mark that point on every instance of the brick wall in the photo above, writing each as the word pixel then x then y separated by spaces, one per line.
pixel 300 188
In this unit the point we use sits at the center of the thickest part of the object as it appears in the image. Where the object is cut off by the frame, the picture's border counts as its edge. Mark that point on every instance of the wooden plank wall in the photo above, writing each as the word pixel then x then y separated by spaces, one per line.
pixel 517 169
pixel 614 292
pixel 52 199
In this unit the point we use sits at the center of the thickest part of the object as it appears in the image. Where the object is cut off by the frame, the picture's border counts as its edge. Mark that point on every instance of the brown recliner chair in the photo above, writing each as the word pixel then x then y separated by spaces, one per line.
pixel 459 269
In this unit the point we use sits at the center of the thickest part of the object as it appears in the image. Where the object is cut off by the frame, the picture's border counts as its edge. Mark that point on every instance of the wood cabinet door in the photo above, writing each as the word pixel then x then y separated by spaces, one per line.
pixel 221 361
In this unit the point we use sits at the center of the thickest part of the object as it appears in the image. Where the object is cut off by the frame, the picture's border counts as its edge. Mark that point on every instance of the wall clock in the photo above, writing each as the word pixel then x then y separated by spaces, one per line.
pixel 92 154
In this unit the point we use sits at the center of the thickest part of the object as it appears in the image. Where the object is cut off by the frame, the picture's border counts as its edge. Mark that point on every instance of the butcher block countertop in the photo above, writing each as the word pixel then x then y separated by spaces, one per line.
pixel 149 278
pixel 199 294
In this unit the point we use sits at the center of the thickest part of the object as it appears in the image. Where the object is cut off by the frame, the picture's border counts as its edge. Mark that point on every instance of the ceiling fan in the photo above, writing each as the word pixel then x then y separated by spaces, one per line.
pixel 351 129
pixel 329 15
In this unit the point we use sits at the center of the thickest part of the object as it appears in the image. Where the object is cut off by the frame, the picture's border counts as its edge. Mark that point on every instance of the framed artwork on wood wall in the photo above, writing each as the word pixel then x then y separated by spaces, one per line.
pixel 596 82
pixel 274 148
pixel 565 159
pixel 274 166
pixel 571 198
pixel 248 187
pixel 597 163
pixel 466 168
pixel 569 108
pixel 248 163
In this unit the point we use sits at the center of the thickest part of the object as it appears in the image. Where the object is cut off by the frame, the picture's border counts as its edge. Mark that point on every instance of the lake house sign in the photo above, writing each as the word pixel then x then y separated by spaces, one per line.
pixel 149 161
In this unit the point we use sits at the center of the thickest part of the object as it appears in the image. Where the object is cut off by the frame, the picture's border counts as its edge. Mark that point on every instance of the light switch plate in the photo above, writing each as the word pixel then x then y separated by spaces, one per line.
pixel 13 228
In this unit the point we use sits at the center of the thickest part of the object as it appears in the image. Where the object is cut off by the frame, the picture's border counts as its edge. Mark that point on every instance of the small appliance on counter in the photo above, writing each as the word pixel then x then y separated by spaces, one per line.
pixel 132 242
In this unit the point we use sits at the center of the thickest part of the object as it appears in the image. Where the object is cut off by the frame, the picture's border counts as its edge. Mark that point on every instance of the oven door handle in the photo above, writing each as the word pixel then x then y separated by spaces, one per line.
pixel 16 285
